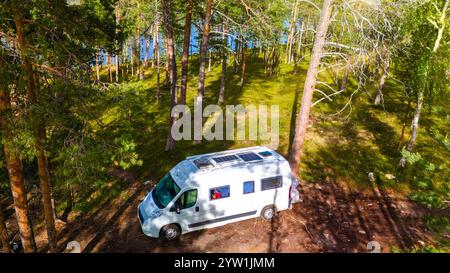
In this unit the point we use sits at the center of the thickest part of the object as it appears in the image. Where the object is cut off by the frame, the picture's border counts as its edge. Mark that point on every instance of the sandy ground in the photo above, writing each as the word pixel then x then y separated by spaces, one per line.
pixel 331 218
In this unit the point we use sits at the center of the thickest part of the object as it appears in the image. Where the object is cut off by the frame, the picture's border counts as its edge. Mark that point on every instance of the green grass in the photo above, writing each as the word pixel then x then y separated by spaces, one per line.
pixel 345 147
pixel 341 147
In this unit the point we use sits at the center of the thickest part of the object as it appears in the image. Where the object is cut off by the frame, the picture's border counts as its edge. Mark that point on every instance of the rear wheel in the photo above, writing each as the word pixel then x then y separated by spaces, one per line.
pixel 170 232
pixel 268 212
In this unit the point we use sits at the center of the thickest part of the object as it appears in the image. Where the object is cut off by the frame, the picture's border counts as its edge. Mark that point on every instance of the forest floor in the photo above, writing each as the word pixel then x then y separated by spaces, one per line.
pixel 341 210
pixel 331 218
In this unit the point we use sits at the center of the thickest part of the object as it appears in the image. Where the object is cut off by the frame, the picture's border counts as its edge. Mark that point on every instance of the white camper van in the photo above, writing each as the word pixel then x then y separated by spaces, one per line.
pixel 215 189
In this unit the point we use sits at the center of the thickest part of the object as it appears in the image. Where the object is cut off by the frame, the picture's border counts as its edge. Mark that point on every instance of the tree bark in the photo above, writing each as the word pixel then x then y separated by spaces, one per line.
pixel 294 30
pixel 147 48
pixel 108 58
pixel 168 79
pixel 209 60
pixel 236 46
pixel 156 52
pixel 309 87
pixel 244 60
pixel 170 144
pixel 132 55
pixel 137 55
pixel 97 67
pixel 204 51
pixel 14 167
pixel 414 126
pixel 4 233
pixel 20 201
pixel 117 11
pixel 303 28
pixel 224 65
pixel 185 57
pixel 39 135
pixel 5 105
pixel 126 61
pixel 155 42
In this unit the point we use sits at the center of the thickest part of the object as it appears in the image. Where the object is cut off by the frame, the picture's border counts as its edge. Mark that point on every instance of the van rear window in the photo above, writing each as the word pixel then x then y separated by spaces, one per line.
pixel 271 183
pixel 219 192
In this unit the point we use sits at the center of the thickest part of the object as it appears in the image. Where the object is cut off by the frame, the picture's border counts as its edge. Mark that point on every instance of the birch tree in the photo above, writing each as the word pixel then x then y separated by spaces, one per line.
pixel 428 25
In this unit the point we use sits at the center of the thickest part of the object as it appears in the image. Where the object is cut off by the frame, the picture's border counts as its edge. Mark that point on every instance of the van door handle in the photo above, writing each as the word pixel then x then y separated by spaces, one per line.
pixel 197 209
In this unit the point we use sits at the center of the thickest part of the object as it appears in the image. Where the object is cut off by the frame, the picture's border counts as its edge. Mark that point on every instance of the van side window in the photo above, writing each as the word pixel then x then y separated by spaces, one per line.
pixel 249 187
pixel 187 199
pixel 219 192
pixel 271 183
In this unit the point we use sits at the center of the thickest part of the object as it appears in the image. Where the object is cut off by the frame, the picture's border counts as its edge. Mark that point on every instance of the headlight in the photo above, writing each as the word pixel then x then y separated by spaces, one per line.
pixel 155 214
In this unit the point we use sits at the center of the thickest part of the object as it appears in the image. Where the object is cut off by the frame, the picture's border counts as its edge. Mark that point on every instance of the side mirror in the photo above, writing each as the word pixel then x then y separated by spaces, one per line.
pixel 175 208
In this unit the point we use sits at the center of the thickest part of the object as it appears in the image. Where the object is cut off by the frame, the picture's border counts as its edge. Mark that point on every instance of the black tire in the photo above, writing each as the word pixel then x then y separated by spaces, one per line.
pixel 268 212
pixel 170 232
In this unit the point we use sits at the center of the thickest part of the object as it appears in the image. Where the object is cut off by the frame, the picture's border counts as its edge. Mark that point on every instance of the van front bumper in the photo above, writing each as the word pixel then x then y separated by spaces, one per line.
pixel 148 226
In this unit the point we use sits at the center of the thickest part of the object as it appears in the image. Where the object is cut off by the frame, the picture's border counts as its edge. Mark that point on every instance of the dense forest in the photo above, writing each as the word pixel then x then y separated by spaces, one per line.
pixel 87 88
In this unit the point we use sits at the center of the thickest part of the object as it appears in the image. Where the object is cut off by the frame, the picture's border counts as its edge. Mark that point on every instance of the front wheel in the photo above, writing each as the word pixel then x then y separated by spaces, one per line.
pixel 170 232
pixel 268 212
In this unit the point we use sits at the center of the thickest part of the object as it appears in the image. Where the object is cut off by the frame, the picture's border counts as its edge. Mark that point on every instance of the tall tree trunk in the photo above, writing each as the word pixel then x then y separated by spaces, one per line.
pixel 132 55
pixel 14 167
pixel 108 58
pixel 137 55
pixel 309 87
pixel 168 79
pixel 126 57
pixel 379 98
pixel 39 135
pixel 294 30
pixel 117 43
pixel 244 60
pixel 5 105
pixel 170 144
pixel 185 57
pixel 147 48
pixel 156 52
pixel 209 60
pixel 20 200
pixel 117 67
pixel 97 67
pixel 300 40
pixel 414 126
pixel 4 233
pixel 155 42
pixel 236 46
pixel 305 38
pixel 204 51
pixel 288 42
pixel 224 65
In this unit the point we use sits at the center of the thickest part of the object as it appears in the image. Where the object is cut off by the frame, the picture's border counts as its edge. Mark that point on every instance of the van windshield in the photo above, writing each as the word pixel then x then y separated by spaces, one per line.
pixel 165 191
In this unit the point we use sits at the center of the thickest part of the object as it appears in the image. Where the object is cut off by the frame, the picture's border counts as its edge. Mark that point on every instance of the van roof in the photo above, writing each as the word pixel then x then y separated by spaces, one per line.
pixel 218 161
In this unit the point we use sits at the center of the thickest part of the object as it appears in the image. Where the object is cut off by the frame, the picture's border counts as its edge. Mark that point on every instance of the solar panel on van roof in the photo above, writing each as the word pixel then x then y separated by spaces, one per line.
pixel 251 156
pixel 265 153
pixel 202 163
pixel 226 158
